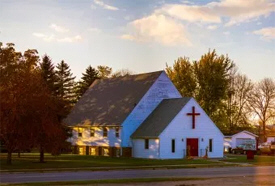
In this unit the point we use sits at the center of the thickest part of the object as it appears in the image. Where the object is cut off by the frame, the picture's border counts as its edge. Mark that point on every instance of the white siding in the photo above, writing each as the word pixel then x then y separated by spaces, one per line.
pixel 163 88
pixel 98 140
pixel 181 128
pixel 240 135
pixel 270 139
pixel 139 150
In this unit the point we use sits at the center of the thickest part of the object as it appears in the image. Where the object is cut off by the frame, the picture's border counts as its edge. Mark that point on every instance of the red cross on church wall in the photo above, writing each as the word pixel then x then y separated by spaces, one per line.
pixel 193 114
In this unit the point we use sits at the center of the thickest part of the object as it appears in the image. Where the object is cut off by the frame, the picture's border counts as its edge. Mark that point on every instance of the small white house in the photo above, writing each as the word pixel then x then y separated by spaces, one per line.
pixel 238 139
pixel 177 127
pixel 270 138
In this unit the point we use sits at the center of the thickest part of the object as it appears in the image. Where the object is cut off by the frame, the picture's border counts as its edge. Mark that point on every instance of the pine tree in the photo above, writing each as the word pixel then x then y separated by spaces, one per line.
pixel 90 75
pixel 65 82
pixel 48 73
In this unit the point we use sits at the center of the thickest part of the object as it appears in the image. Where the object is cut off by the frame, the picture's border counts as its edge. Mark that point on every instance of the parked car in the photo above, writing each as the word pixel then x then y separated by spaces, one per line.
pixel 243 148
pixel 240 149
pixel 267 148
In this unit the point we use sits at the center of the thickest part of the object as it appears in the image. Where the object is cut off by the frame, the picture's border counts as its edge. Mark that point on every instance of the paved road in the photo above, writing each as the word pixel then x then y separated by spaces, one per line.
pixel 97 175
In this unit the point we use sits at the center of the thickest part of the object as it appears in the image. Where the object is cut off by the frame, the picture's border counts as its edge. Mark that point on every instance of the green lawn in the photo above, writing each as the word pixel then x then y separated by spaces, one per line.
pixel 68 161
pixel 258 159
pixel 30 161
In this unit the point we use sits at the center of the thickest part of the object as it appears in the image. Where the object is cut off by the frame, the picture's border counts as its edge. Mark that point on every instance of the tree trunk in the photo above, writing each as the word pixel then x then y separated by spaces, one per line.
pixel 264 131
pixel 41 159
pixel 9 158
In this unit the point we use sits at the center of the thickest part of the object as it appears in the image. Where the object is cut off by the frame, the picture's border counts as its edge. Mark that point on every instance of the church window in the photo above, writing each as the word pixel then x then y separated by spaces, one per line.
pixel 173 145
pixel 80 131
pixel 117 132
pixel 93 151
pixel 105 151
pixel 92 131
pixel 146 143
pixel 105 132
pixel 210 145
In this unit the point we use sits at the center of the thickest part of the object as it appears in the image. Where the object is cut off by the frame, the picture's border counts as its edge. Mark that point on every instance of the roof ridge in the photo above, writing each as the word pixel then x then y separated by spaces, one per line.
pixel 140 74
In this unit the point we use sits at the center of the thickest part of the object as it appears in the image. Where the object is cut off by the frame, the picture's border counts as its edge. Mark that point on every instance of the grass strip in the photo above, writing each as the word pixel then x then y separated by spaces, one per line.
pixel 117 181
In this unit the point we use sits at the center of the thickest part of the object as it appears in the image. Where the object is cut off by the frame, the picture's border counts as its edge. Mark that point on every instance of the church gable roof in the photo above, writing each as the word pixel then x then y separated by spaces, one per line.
pixel 108 102
pixel 160 118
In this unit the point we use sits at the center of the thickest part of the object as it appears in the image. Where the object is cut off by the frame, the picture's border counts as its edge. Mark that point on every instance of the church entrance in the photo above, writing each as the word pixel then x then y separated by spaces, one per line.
pixel 192 146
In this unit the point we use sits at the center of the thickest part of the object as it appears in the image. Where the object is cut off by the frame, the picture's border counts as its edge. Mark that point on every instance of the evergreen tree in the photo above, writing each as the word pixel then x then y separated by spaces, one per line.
pixel 48 73
pixel 65 82
pixel 90 75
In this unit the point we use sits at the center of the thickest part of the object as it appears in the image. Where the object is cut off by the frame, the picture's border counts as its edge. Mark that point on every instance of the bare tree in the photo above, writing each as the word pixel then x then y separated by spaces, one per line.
pixel 240 90
pixel 262 102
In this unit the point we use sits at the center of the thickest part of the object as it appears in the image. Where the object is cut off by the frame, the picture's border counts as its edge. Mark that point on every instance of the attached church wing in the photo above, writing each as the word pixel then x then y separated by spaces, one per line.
pixel 160 118
pixel 108 102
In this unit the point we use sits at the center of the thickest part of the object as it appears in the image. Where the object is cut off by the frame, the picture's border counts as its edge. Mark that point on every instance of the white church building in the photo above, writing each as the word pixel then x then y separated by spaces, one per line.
pixel 142 116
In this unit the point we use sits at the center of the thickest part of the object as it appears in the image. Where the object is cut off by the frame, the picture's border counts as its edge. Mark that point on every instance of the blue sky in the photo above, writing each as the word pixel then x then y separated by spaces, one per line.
pixel 143 35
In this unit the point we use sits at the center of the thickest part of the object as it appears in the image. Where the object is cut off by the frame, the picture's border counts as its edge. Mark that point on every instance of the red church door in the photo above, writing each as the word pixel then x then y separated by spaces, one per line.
pixel 193 146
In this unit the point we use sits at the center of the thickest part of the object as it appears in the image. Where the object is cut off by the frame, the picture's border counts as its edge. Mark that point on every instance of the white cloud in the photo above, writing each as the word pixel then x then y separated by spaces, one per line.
pixel 157 28
pixel 191 13
pixel 235 11
pixel 128 17
pixel 93 7
pixel 39 35
pixel 128 37
pixel 212 27
pixel 52 38
pixel 59 28
pixel 47 38
pixel 110 18
pixel 105 6
pixel 266 33
pixel 94 30
pixel 226 33
pixel 70 39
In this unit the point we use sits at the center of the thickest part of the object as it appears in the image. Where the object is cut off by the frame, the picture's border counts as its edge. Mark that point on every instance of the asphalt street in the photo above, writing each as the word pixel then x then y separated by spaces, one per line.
pixel 128 174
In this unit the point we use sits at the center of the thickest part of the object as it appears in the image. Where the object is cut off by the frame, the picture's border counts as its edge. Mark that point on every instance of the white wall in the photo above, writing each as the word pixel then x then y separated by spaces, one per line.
pixel 242 135
pixel 163 88
pixel 181 128
pixel 139 150
pixel 270 139
pixel 98 140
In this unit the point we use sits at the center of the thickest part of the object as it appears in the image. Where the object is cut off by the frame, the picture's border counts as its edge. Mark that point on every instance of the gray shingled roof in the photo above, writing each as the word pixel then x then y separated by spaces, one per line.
pixel 108 102
pixel 160 118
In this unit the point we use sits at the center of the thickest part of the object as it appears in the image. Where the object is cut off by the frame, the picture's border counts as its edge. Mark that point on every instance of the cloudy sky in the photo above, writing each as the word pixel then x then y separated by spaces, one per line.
pixel 143 35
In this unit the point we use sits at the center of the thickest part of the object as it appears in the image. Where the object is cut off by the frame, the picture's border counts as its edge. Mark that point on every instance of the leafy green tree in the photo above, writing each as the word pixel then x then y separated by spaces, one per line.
pixel 65 82
pixel 31 59
pixel 9 59
pixel 90 75
pixel 29 110
pixel 213 78
pixel 182 75
pixel 104 71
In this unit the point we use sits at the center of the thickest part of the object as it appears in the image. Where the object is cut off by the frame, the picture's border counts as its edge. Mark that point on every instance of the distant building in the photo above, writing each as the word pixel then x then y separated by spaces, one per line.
pixel 270 137
pixel 238 139
pixel 141 116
